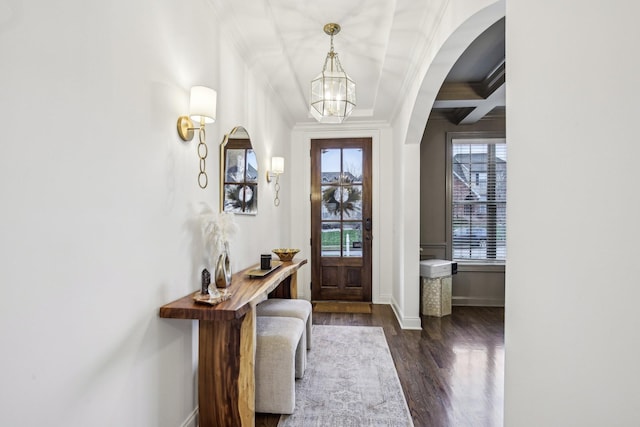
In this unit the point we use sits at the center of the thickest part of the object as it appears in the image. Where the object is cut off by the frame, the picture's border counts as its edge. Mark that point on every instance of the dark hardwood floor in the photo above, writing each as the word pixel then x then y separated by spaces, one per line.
pixel 451 372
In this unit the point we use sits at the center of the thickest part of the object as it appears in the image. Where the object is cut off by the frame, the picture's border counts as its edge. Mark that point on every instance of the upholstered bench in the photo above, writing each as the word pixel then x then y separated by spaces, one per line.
pixel 296 308
pixel 278 340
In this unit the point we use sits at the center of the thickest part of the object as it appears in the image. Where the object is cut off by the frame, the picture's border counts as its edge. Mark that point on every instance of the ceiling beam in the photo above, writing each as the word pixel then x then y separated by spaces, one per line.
pixel 457 95
pixel 494 80
pixel 471 101
pixel 496 99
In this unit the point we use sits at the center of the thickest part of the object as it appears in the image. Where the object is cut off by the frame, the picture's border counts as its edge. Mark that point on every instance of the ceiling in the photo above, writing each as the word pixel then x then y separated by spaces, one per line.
pixel 475 86
pixel 284 41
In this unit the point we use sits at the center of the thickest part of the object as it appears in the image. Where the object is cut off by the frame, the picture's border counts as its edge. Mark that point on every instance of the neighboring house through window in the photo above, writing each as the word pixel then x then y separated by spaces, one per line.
pixel 478 197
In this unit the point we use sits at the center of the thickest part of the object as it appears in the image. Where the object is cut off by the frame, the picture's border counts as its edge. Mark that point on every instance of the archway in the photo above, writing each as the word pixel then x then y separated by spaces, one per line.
pixel 451 49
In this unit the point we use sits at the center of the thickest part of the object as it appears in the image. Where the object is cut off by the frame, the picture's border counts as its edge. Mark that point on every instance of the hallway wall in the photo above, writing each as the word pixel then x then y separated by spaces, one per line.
pixel 571 328
pixel 99 197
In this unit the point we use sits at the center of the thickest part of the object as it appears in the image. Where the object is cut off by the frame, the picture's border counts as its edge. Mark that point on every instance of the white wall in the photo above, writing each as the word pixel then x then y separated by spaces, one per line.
pixel 572 340
pixel 98 196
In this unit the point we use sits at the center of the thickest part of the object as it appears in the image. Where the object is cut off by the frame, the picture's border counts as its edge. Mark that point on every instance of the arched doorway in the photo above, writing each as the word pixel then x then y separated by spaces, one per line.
pixel 471 25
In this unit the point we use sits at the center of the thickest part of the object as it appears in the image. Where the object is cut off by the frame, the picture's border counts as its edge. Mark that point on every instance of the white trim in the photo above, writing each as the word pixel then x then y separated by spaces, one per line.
pixel 383 299
pixel 412 323
pixel 477 302
pixel 320 130
pixel 192 419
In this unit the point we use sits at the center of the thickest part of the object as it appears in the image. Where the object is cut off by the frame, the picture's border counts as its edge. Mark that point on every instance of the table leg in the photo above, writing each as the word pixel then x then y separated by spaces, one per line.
pixel 247 380
pixel 226 377
pixel 293 286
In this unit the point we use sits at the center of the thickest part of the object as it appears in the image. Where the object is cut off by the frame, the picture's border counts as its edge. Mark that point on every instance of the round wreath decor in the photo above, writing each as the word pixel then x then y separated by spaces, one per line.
pixel 343 199
pixel 239 196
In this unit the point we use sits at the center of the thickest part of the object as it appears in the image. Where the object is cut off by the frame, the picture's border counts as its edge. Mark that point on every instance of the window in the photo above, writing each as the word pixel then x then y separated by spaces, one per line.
pixel 342 191
pixel 240 177
pixel 478 173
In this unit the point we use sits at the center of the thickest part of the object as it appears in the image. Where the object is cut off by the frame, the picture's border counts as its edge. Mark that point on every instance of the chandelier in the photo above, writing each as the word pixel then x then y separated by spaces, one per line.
pixel 333 93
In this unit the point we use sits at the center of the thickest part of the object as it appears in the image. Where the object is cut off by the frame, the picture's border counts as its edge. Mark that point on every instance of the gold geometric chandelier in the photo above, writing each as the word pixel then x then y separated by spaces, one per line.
pixel 333 93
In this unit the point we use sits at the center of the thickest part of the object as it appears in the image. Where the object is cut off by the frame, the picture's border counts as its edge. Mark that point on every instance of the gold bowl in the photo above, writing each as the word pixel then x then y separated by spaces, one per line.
pixel 285 254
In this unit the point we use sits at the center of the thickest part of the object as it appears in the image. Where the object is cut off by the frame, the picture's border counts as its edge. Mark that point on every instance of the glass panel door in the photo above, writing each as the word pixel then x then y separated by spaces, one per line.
pixel 341 219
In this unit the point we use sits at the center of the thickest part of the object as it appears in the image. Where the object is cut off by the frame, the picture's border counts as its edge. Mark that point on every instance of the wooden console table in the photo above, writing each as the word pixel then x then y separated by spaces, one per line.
pixel 227 336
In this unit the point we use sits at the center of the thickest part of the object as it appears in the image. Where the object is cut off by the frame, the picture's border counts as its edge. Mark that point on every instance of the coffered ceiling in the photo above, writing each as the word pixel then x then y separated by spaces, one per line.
pixel 476 85
pixel 283 41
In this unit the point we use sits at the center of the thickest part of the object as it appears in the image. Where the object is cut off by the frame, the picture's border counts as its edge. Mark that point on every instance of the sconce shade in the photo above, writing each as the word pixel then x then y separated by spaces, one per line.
pixel 202 104
pixel 277 165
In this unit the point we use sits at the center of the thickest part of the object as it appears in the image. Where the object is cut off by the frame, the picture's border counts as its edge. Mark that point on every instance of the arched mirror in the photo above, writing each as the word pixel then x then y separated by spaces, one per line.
pixel 238 173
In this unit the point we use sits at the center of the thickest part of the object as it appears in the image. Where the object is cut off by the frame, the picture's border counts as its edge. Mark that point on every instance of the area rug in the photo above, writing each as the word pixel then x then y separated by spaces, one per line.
pixel 350 381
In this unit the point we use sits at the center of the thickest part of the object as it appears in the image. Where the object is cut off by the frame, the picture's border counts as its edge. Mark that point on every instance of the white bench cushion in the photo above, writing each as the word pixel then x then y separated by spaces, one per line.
pixel 278 339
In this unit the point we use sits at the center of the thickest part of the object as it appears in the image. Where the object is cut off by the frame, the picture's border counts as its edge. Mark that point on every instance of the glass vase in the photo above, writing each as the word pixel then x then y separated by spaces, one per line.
pixel 223 268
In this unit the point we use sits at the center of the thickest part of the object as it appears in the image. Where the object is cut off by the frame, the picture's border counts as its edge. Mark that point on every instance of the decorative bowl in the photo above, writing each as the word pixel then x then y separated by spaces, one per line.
pixel 285 254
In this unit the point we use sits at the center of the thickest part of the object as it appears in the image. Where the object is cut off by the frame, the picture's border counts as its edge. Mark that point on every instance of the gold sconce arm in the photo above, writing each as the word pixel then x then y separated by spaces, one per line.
pixel 277 168
pixel 202 107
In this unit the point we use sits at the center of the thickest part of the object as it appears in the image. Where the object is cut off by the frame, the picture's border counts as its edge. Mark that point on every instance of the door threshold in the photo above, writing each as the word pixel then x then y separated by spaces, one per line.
pixel 341 307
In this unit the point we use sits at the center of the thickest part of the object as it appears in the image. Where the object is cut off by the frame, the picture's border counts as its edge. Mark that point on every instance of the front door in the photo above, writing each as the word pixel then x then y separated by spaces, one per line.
pixel 341 221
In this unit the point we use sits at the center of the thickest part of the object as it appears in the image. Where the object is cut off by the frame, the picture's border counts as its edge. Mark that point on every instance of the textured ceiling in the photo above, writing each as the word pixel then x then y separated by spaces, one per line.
pixel 284 41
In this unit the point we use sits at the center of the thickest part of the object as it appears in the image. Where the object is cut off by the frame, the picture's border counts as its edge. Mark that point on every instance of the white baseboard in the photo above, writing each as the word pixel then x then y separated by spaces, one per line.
pixel 192 419
pixel 477 302
pixel 414 323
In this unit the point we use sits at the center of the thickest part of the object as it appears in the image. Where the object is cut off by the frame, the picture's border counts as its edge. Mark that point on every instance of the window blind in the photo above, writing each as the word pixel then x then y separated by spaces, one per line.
pixel 479 199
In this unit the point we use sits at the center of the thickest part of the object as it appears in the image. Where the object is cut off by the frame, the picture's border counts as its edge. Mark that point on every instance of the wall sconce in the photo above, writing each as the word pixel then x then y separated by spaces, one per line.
pixel 277 168
pixel 202 109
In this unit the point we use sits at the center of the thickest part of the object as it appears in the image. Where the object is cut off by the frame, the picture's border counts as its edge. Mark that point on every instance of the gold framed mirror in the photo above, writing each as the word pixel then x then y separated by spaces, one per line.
pixel 238 173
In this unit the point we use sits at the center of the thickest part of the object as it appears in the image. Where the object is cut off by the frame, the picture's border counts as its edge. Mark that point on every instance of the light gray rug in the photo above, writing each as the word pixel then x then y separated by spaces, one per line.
pixel 350 381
